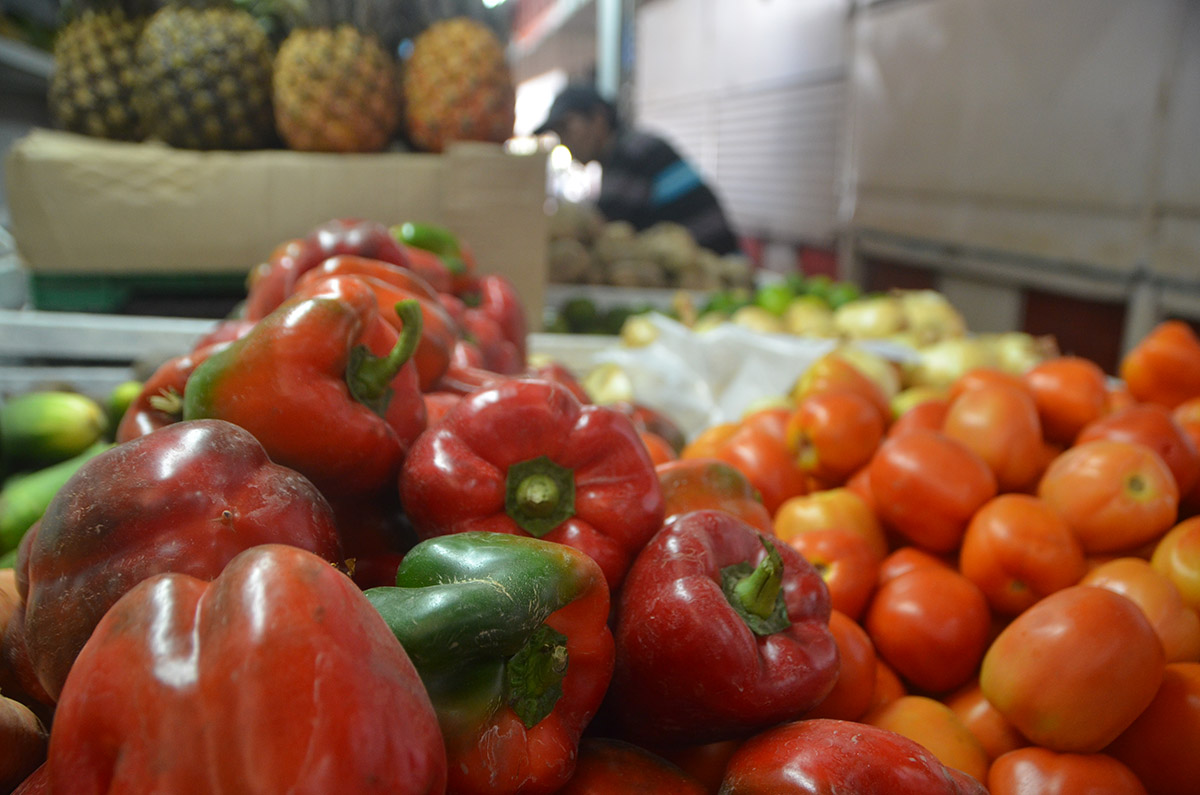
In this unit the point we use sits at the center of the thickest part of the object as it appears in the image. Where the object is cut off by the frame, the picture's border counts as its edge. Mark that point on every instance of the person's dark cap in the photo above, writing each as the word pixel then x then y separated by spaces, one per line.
pixel 575 98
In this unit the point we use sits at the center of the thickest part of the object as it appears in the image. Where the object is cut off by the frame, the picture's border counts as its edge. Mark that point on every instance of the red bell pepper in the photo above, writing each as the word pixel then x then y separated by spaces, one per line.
pixel 160 401
pixel 325 383
pixel 720 633
pixel 185 498
pixel 524 456
pixel 615 767
pixel 392 284
pixel 455 256
pixel 271 285
pixel 498 300
pixel 276 677
pixel 823 756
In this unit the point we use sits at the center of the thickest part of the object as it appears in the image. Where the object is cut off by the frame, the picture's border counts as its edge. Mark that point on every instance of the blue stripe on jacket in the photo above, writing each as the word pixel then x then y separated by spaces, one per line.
pixel 672 182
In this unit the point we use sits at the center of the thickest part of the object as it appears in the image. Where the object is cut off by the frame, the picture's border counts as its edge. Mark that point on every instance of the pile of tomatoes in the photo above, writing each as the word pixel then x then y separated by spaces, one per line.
pixel 1014 561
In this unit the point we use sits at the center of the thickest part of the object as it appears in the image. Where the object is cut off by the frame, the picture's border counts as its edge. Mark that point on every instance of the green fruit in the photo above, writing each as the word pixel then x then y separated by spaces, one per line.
pixel 774 297
pixel 119 401
pixel 43 428
pixel 25 498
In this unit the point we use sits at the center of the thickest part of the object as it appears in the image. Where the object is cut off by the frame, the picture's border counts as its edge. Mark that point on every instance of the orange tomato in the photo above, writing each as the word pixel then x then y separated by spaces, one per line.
pixel 1040 771
pixel 928 415
pixel 695 484
pixel 1177 625
pixel 994 732
pixel 756 447
pixel 1114 495
pixel 1073 671
pixel 1153 426
pixel 709 440
pixel 935 726
pixel 985 377
pixel 1018 550
pixel 888 685
pixel 999 422
pixel 927 486
pixel 1177 555
pixel 1164 367
pixel 930 624
pixel 1070 392
pixel 833 372
pixel 851 695
pixel 833 434
pixel 1160 746
pixel 845 562
pixel 659 448
pixel 904 559
pixel 833 509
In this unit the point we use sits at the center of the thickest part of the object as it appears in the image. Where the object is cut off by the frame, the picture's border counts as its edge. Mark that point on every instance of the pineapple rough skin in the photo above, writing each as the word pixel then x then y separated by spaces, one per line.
pixel 335 91
pixel 91 87
pixel 204 79
pixel 458 86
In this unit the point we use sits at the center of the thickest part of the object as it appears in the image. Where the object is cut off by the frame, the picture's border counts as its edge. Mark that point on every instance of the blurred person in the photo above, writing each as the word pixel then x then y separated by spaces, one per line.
pixel 643 180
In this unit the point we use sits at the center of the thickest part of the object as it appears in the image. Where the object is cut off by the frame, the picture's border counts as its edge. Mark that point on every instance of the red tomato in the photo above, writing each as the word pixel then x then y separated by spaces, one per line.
pixel 1018 550
pixel 1000 423
pixel 1153 426
pixel 1160 746
pixel 1177 555
pixel 708 441
pixel 931 625
pixel 835 373
pixel 888 685
pixel 757 448
pixel 660 449
pixel 994 732
pixel 927 486
pixel 1073 671
pixel 928 415
pixel 1070 392
pixel 985 377
pixel 851 695
pixel 832 509
pixel 936 727
pixel 834 434
pixel 1177 625
pixel 1040 771
pixel 1114 495
pixel 845 562
pixel 905 559
pixel 1164 367
pixel 695 484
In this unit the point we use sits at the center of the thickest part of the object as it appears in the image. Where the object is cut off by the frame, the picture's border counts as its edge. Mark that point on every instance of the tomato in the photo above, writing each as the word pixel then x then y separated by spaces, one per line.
pixel 708 441
pixel 1164 366
pixel 1018 550
pixel 660 449
pixel 1070 392
pixel 936 727
pixel 1073 671
pixel 888 685
pixel 845 562
pixel 985 377
pixel 994 732
pixel 905 559
pixel 914 396
pixel 927 486
pixel 1177 555
pixel 931 624
pixel 1154 427
pixel 1177 625
pixel 1114 495
pixel 851 695
pixel 757 448
pixel 694 484
pixel 928 415
pixel 833 372
pixel 1000 423
pixel 1160 745
pixel 1187 415
pixel 1040 771
pixel 833 434
pixel 607 766
pixel 832 509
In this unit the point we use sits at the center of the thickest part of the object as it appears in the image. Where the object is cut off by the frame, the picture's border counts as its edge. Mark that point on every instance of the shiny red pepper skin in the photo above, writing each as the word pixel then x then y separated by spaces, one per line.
pixel 276 677
pixel 498 300
pixel 823 757
pixel 271 285
pixel 691 667
pixel 160 402
pixel 288 383
pixel 468 472
pixel 187 498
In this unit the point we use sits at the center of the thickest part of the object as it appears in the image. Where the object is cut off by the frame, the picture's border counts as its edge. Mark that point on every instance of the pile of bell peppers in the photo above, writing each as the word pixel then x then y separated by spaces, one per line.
pixel 354 541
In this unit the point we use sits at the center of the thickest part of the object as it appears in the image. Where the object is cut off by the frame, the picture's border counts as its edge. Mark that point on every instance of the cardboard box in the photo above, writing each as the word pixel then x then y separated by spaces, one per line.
pixel 92 207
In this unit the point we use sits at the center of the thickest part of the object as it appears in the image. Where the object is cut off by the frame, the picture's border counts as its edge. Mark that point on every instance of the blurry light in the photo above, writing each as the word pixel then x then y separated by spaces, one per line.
pixel 492 3
pixel 560 157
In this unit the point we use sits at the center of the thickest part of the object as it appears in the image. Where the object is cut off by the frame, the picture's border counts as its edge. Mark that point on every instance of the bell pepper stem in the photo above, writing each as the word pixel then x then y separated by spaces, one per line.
pixel 369 376
pixel 539 495
pixel 761 588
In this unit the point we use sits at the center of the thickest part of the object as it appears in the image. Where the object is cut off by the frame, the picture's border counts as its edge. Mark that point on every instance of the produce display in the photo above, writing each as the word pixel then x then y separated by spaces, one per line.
pixel 251 74
pixel 355 540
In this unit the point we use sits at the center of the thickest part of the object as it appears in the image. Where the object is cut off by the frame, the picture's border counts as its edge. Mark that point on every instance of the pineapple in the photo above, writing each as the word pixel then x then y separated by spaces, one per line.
pixel 457 86
pixel 91 87
pixel 204 78
pixel 336 90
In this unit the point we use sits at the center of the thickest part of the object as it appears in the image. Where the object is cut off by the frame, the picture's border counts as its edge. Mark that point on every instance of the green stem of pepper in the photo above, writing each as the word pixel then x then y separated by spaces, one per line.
pixel 757 594
pixel 369 376
pixel 539 495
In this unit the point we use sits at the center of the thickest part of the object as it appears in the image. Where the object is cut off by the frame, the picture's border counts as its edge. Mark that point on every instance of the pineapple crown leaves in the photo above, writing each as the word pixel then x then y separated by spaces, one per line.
pixel 133 9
